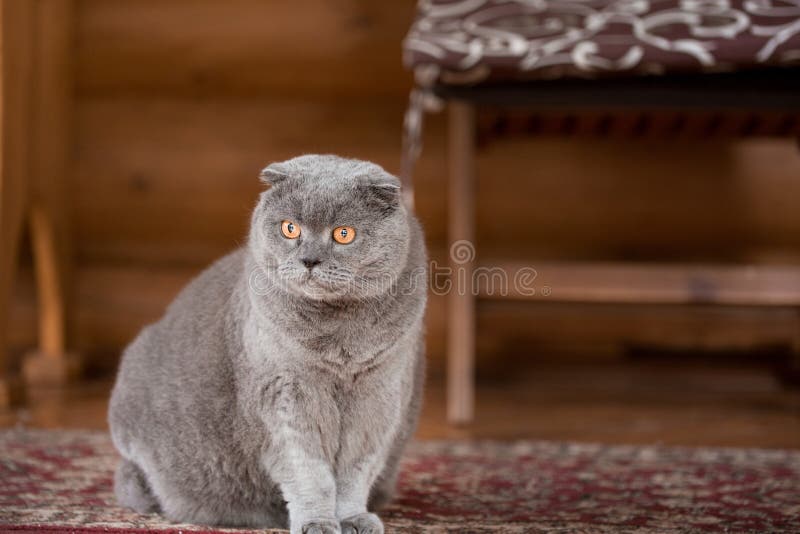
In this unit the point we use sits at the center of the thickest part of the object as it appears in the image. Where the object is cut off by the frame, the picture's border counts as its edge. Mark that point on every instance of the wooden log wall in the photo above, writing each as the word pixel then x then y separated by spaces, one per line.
pixel 179 103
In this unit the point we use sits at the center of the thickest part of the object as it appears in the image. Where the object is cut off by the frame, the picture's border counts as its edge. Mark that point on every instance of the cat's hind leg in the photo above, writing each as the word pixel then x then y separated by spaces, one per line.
pixel 132 489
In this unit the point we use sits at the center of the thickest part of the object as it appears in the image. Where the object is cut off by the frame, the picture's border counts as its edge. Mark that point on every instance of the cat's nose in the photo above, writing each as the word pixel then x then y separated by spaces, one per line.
pixel 310 262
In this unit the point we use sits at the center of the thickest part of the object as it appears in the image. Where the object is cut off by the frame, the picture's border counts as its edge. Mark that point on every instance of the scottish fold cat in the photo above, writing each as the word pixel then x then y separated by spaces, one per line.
pixel 282 384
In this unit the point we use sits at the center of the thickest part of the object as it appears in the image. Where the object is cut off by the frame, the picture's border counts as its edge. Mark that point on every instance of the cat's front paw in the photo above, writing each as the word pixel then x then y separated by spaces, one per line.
pixel 321 526
pixel 365 523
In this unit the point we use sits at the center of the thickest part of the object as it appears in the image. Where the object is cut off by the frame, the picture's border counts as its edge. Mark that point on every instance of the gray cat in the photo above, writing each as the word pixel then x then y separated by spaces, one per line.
pixel 282 384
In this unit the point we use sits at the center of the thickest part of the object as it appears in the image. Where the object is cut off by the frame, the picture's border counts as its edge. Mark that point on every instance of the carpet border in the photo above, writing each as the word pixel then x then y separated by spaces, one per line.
pixel 4 529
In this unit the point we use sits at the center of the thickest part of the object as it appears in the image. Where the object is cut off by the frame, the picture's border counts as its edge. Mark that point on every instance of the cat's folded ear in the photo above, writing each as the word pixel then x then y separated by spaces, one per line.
pixel 382 190
pixel 273 174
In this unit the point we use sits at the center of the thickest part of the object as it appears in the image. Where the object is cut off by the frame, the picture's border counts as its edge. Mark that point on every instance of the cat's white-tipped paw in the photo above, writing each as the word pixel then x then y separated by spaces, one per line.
pixel 365 523
pixel 321 526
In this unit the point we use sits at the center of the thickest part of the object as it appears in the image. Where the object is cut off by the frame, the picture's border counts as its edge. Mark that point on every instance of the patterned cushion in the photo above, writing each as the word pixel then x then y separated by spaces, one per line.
pixel 468 41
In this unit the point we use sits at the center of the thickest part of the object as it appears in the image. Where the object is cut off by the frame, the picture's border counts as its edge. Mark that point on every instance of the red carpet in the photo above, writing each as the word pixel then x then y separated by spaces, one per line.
pixel 61 482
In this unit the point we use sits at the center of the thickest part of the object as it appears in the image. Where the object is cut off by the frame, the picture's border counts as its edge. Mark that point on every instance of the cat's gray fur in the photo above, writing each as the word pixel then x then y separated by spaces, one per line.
pixel 267 396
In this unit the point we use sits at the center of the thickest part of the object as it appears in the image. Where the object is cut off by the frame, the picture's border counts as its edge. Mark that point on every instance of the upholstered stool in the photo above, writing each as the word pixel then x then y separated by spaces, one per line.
pixel 732 63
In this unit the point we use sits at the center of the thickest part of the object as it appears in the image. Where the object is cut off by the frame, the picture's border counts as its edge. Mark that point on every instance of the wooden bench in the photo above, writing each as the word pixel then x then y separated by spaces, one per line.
pixel 721 69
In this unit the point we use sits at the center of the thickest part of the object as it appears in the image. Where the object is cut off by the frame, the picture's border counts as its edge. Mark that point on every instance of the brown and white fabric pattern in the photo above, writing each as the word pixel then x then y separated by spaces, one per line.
pixel 467 41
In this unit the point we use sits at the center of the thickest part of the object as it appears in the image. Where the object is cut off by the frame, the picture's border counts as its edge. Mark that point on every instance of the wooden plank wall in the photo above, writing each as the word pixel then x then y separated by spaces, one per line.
pixel 179 103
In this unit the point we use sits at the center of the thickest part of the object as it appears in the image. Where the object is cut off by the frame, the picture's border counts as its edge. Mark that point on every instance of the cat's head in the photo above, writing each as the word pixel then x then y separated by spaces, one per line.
pixel 329 227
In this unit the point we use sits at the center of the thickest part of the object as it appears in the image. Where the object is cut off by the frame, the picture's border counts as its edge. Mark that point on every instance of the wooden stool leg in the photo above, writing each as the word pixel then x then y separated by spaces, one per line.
pixel 461 299
pixel 51 364
pixel 16 77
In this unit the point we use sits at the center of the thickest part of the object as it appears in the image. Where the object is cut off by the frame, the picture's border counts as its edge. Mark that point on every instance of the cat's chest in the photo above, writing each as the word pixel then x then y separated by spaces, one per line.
pixel 348 343
pixel 354 341
pixel 354 330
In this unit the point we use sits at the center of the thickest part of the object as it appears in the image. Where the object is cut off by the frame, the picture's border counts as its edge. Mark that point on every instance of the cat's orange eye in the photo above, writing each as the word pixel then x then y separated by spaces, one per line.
pixel 344 234
pixel 290 230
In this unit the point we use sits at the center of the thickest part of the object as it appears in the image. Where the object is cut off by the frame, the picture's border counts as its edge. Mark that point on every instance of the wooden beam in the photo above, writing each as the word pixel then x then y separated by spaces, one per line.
pixel 16 80
pixel 236 48
pixel 50 167
pixel 626 283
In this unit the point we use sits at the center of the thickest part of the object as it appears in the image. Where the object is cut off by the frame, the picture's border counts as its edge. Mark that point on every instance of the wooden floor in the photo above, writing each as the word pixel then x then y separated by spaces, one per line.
pixel 619 402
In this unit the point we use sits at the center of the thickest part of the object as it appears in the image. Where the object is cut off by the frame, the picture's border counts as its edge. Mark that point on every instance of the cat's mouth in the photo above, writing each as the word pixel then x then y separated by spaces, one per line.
pixel 317 285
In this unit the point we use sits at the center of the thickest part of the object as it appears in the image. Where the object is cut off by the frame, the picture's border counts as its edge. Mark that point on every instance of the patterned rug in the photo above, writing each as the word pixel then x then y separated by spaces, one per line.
pixel 60 481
